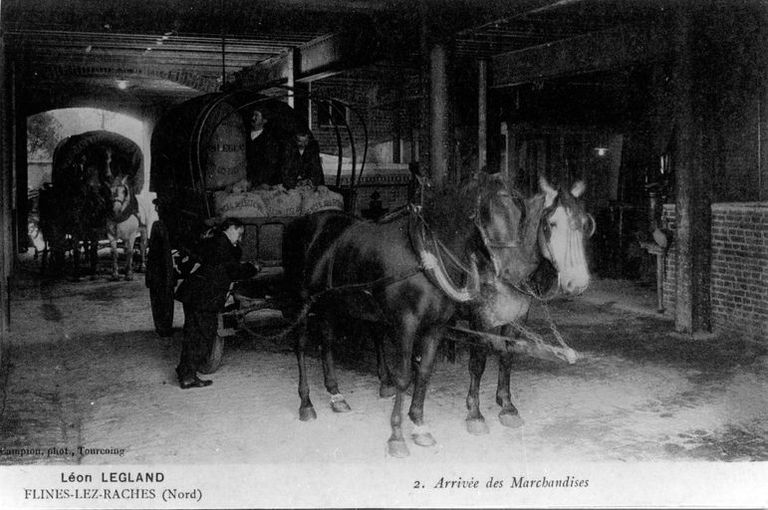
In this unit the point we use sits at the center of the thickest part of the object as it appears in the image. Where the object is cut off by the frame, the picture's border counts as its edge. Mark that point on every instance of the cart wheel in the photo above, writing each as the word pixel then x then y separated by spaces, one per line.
pixel 213 362
pixel 160 279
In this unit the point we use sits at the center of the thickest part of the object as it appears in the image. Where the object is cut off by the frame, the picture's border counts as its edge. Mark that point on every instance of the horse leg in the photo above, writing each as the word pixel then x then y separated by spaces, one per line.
pixel 396 444
pixel 326 331
pixel 93 255
pixel 143 247
pixel 430 342
pixel 44 259
pixel 113 250
pixel 475 421
pixel 306 410
pixel 508 416
pixel 128 243
pixel 386 384
pixel 75 259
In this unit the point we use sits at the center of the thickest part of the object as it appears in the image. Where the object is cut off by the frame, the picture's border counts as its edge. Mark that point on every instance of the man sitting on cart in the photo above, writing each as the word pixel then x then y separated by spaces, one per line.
pixel 203 294
pixel 301 161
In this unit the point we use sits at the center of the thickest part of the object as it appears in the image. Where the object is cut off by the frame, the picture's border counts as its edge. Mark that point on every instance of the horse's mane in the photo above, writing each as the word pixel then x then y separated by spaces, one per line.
pixel 450 210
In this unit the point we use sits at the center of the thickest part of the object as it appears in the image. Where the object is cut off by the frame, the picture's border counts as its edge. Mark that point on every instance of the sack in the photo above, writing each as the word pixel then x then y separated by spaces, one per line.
pixel 276 201
pixel 319 199
pixel 240 205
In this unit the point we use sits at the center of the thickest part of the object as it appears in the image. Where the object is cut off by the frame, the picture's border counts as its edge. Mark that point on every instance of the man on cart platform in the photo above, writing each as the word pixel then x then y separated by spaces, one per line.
pixel 203 294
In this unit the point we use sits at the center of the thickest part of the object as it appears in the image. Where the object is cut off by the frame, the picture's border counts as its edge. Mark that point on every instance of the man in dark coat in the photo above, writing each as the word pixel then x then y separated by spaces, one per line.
pixel 203 294
pixel 302 161
pixel 263 151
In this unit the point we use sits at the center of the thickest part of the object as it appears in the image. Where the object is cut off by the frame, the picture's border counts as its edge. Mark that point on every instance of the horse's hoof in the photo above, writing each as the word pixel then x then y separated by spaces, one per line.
pixel 397 448
pixel 387 391
pixel 307 414
pixel 422 437
pixel 510 419
pixel 339 405
pixel 477 426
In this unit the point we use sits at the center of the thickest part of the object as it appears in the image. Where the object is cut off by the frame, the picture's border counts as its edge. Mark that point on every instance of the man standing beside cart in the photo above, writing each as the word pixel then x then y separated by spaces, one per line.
pixel 203 294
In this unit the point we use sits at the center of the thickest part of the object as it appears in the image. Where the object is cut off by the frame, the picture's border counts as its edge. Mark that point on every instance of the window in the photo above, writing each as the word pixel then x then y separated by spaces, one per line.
pixel 329 115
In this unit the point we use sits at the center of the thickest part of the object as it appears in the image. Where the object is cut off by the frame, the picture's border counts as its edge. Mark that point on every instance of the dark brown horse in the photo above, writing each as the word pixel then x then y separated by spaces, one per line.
pixel 408 274
pixel 75 207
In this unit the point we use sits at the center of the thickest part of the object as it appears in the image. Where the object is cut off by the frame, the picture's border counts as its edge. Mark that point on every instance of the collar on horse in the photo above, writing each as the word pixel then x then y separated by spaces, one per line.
pixel 430 252
pixel 131 210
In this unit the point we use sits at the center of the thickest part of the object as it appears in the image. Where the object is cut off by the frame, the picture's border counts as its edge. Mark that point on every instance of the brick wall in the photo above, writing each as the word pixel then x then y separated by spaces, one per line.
pixel 739 272
pixel 392 189
pixel 670 266
pixel 392 182
pixel 377 101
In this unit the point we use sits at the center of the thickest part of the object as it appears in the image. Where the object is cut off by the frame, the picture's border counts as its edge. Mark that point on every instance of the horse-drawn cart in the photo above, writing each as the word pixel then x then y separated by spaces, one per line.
pixel 77 208
pixel 199 161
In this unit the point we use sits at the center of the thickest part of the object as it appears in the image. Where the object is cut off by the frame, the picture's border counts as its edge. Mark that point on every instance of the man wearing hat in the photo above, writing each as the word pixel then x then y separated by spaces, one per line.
pixel 203 294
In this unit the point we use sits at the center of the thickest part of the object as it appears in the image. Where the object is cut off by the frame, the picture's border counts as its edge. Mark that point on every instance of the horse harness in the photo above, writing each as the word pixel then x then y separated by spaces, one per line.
pixel 131 210
pixel 422 241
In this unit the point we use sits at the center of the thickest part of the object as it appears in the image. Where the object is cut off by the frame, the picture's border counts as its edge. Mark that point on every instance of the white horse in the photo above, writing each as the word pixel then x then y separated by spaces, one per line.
pixel 127 222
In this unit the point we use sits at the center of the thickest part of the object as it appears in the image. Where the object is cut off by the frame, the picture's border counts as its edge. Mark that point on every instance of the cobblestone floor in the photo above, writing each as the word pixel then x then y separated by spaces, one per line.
pixel 86 374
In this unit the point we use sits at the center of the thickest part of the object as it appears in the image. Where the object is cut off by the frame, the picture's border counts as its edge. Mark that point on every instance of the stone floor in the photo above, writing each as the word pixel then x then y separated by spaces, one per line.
pixel 85 373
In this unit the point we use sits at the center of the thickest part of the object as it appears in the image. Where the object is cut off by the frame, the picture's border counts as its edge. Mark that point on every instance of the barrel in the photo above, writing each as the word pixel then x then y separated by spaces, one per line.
pixel 223 138
pixel 201 143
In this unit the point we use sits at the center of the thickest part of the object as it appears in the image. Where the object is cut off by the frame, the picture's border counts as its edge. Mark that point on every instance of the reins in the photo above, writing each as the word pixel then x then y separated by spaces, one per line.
pixel 365 286
pixel 438 246
pixel 330 288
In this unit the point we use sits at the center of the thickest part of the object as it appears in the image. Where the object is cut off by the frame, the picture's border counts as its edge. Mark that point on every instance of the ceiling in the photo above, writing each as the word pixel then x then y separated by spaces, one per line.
pixel 151 53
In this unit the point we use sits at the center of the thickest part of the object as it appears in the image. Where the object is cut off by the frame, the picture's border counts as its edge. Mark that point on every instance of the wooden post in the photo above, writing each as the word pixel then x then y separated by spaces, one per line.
pixel 424 91
pixel 693 191
pixel 6 170
pixel 482 114
pixel 20 166
pixel 439 116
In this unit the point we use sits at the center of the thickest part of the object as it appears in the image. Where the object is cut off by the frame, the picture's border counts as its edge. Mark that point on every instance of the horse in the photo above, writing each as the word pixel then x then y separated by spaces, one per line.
pixel 383 272
pixel 394 272
pixel 126 222
pixel 72 215
pixel 545 255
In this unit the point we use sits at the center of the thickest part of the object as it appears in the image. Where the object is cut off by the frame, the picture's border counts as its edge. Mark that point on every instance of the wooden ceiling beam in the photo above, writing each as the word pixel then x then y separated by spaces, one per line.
pixel 600 51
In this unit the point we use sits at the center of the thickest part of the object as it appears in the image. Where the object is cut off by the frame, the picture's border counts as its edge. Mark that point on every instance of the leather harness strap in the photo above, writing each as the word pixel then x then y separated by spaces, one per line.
pixel 365 286
pixel 131 210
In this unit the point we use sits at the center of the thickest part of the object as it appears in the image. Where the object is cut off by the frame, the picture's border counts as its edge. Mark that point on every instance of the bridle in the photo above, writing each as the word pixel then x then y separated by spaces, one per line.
pixel 116 195
pixel 544 230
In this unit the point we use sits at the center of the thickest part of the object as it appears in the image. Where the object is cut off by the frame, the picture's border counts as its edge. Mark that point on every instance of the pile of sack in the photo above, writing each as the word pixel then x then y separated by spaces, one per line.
pixel 266 201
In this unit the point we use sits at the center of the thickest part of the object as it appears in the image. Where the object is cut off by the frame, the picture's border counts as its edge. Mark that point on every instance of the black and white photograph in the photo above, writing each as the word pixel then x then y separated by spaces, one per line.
pixel 383 253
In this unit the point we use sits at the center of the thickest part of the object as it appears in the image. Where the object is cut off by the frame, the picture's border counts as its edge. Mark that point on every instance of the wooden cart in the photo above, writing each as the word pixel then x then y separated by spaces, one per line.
pixel 195 147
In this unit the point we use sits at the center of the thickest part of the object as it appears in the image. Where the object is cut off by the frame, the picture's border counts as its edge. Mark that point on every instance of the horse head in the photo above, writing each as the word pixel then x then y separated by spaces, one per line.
pixel 563 230
pixel 121 194
pixel 498 216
